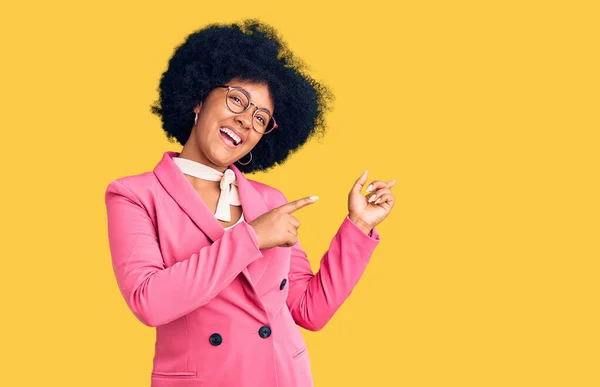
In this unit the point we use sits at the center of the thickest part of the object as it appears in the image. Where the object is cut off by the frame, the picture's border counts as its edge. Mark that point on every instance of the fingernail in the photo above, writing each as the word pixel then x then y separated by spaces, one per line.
pixel 369 188
pixel 377 201
pixel 371 199
pixel 314 197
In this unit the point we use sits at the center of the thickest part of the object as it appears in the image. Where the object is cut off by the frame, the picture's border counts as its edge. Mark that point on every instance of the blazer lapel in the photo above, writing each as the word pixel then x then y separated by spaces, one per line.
pixel 184 194
pixel 253 206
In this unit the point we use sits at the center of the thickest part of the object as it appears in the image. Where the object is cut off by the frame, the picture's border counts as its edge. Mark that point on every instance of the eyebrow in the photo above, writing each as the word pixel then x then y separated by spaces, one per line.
pixel 250 94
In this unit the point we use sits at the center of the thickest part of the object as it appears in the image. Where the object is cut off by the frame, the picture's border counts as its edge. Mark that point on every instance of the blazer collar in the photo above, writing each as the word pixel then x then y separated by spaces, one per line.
pixel 184 194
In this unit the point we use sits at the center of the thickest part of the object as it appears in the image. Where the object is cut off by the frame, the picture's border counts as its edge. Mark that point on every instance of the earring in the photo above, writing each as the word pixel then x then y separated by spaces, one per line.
pixel 250 153
pixel 196 119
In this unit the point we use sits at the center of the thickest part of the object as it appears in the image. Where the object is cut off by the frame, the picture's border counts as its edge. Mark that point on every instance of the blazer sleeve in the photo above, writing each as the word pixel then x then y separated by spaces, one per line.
pixel 313 299
pixel 157 295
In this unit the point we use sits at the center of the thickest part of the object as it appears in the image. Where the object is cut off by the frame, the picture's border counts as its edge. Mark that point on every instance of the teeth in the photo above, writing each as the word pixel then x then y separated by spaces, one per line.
pixel 231 134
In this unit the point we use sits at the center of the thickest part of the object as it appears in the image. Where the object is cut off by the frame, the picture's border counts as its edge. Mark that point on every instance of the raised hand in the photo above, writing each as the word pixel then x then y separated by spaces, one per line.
pixel 368 211
pixel 279 227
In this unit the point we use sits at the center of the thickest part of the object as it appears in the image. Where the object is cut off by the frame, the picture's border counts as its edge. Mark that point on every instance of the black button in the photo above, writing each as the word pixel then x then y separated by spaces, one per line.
pixel 215 339
pixel 264 332
pixel 282 284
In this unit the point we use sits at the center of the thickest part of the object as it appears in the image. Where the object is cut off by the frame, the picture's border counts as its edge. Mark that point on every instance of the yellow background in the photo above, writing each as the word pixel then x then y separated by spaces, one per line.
pixel 485 112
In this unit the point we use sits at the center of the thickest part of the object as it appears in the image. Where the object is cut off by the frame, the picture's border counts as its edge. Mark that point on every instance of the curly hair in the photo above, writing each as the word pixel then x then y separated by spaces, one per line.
pixel 251 51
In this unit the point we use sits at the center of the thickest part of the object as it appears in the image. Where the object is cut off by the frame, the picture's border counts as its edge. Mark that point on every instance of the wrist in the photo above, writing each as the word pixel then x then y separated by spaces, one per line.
pixel 361 225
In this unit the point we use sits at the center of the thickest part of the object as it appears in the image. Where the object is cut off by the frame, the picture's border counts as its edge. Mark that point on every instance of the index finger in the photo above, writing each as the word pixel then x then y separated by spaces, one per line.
pixel 290 207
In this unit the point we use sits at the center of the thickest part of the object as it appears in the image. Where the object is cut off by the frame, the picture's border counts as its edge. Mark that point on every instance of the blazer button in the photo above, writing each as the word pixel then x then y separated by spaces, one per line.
pixel 215 339
pixel 282 284
pixel 264 332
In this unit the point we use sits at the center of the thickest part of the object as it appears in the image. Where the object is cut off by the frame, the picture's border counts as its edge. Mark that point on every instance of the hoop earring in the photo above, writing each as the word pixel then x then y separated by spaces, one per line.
pixel 196 119
pixel 250 153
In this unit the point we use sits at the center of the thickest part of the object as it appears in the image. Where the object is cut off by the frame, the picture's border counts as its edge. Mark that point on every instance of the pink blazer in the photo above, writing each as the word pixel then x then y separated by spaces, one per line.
pixel 225 312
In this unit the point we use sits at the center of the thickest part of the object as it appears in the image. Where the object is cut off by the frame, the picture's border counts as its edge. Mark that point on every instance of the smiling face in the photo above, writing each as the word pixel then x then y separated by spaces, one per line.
pixel 221 137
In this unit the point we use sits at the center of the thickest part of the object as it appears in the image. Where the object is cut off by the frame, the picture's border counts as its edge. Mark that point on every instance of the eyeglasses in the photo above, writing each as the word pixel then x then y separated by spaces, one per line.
pixel 238 101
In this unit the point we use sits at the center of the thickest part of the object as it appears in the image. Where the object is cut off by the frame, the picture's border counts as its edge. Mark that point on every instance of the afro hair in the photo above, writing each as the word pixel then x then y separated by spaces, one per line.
pixel 251 51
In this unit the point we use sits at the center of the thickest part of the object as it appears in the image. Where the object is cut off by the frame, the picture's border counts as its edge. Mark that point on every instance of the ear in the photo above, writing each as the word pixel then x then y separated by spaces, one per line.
pixel 197 108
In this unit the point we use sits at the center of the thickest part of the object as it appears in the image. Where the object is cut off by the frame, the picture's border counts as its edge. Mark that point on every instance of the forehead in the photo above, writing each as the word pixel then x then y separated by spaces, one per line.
pixel 259 92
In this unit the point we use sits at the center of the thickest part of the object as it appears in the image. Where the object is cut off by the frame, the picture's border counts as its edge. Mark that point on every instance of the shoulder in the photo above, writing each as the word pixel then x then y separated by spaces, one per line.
pixel 134 186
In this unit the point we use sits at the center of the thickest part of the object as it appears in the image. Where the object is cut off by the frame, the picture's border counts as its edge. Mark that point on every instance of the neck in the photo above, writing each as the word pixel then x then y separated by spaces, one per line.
pixel 193 154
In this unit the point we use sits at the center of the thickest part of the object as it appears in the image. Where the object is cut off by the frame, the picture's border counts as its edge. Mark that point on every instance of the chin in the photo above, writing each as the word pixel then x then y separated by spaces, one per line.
pixel 223 160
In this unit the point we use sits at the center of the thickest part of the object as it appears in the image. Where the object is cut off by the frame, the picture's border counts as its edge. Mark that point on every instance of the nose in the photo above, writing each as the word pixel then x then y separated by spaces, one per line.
pixel 245 118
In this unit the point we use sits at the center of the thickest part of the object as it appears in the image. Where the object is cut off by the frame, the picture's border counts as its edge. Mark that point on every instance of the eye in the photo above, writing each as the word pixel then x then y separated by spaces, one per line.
pixel 236 100
pixel 262 118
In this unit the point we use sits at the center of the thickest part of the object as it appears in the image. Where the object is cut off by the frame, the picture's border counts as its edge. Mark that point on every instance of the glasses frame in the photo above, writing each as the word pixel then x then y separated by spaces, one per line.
pixel 230 88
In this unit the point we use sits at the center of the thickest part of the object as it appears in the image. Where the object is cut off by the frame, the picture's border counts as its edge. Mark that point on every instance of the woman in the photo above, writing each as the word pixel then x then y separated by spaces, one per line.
pixel 212 259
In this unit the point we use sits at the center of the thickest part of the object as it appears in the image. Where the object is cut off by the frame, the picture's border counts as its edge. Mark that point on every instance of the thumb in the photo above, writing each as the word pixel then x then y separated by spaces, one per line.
pixel 360 182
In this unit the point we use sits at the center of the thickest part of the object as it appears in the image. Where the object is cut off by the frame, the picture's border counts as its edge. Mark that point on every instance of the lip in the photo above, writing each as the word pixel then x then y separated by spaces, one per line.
pixel 236 132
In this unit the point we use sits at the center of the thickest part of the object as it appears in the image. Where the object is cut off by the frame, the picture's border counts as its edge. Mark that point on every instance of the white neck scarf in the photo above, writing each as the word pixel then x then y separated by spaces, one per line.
pixel 229 192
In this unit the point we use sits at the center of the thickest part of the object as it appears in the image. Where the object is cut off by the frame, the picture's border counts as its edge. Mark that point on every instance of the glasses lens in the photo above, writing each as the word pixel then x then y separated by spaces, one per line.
pixel 237 101
pixel 262 121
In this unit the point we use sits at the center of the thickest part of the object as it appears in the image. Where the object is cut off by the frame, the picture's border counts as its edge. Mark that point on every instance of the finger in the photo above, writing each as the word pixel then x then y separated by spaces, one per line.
pixel 294 222
pixel 385 199
pixel 375 185
pixel 293 239
pixel 380 184
pixel 377 194
pixel 293 231
pixel 360 182
pixel 290 207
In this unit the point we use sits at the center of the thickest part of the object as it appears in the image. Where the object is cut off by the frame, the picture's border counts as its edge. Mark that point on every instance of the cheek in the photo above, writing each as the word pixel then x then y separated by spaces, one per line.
pixel 253 139
pixel 205 125
pixel 212 113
